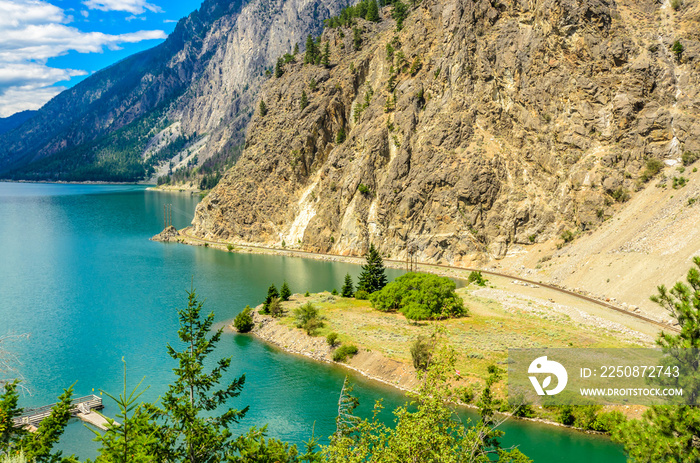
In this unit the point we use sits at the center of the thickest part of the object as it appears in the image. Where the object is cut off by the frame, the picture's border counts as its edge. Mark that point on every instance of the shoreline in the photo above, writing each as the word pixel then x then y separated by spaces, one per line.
pixel 295 342
pixel 65 182
pixel 632 313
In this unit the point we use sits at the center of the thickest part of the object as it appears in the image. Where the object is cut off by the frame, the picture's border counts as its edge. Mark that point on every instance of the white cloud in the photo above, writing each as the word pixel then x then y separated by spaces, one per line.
pixel 130 6
pixel 33 31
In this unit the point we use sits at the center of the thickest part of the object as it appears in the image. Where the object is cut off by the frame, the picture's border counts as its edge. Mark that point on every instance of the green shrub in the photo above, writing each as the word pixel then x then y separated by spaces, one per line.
pixel 334 292
pixel 568 236
pixel 342 353
pixel 677 49
pixel 679 182
pixel 477 278
pixel 420 296
pixel 271 294
pixel 608 421
pixel 689 157
pixel 676 4
pixel 332 339
pixel 620 195
pixel 361 295
pixel 422 352
pixel 653 167
pixel 566 415
pixel 229 247
pixel 306 294
pixel 364 189
pixel 308 318
pixel 340 138
pixel 244 321
pixel 275 307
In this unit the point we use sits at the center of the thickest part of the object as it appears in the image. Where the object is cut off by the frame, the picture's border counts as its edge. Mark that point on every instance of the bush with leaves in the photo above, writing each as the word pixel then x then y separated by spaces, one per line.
pixel 308 318
pixel 361 295
pixel 244 321
pixel 332 339
pixel 427 430
pixel 275 308
pixel 477 278
pixel 422 351
pixel 420 296
pixel 342 353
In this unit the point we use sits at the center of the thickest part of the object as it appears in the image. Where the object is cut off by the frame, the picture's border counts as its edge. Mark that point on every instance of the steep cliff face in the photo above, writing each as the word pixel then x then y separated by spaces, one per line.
pixel 191 96
pixel 492 123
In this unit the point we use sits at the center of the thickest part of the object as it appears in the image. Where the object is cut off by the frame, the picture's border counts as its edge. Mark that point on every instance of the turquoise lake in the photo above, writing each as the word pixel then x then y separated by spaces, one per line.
pixel 80 277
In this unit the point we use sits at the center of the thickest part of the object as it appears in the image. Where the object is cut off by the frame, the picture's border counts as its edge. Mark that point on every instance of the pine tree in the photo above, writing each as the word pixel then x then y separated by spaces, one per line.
pixel 271 294
pixel 285 292
pixel 373 277
pixel 310 56
pixel 263 108
pixel 356 38
pixel 347 290
pixel 326 57
pixel 133 437
pixel 296 49
pixel 372 12
pixel 340 138
pixel 304 100
pixel 191 431
pixel 279 68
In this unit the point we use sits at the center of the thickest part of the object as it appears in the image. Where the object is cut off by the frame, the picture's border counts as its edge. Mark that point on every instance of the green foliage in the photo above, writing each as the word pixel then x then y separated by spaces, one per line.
pixel 340 138
pixel 133 437
pixel 229 247
pixel 313 85
pixel 190 430
pixel 279 67
pixel 356 39
pixel 334 292
pixel 332 339
pixel 311 51
pixel 244 321
pixel 306 294
pixel 422 351
pixel 342 353
pixel 263 108
pixel 416 66
pixel 568 236
pixel 304 102
pixel 676 4
pixel 364 189
pixel 272 293
pixel 361 295
pixel 19 457
pixel 308 318
pixel 420 296
pixel 296 49
pixel 326 55
pixel 679 182
pixel 372 11
pixel 373 276
pixel 620 195
pixel 36 447
pixel 290 58
pixel 653 166
pixel 677 49
pixel 427 430
pixel 275 307
pixel 400 13
pixel 255 447
pixel 285 292
pixel 347 290
pixel 689 157
pixel 477 278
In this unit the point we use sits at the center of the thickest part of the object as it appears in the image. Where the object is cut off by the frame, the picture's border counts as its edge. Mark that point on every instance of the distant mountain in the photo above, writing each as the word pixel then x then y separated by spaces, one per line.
pixel 178 104
pixel 14 121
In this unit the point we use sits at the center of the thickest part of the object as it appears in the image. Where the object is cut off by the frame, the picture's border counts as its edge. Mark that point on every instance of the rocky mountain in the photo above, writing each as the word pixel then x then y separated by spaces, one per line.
pixel 15 120
pixel 480 126
pixel 175 105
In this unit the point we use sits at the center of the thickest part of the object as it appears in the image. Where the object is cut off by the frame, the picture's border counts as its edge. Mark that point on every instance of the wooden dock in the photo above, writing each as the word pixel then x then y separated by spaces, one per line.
pixel 81 407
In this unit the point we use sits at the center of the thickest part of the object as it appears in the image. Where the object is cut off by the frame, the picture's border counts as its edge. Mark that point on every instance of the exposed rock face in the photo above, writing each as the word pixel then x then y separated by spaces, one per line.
pixel 201 84
pixel 508 122
pixel 168 234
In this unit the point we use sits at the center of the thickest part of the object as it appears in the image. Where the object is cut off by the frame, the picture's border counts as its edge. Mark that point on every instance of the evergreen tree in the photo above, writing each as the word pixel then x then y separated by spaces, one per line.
pixel 310 56
pixel 399 13
pixel 132 438
pixel 340 138
pixel 356 38
pixel 670 433
pixel 372 12
pixel 296 49
pixel 326 56
pixel 279 68
pixel 373 277
pixel 304 102
pixel 347 290
pixel 191 431
pixel 271 294
pixel 285 292
pixel 263 108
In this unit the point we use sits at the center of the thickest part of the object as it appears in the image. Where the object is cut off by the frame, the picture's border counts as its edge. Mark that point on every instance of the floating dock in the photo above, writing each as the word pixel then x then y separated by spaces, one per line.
pixel 81 408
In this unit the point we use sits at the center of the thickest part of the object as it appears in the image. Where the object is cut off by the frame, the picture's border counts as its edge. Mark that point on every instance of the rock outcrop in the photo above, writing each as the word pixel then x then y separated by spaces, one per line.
pixel 479 125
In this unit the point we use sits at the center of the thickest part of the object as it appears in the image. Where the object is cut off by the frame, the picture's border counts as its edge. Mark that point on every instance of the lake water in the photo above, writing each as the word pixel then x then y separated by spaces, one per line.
pixel 79 275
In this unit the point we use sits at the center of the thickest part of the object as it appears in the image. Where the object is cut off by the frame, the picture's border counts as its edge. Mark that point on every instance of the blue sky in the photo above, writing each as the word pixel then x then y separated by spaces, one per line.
pixel 47 46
